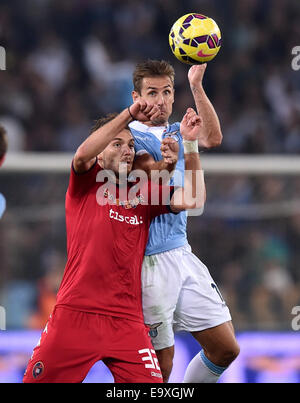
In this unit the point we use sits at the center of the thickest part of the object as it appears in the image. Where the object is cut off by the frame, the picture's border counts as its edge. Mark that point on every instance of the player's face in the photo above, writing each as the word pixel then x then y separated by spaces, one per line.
pixel 119 154
pixel 158 91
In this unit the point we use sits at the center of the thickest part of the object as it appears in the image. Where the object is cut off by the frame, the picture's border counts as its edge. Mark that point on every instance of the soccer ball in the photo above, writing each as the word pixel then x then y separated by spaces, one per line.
pixel 195 39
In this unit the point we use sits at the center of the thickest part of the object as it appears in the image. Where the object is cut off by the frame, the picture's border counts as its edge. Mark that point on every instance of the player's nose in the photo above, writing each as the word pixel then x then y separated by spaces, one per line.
pixel 160 100
pixel 127 150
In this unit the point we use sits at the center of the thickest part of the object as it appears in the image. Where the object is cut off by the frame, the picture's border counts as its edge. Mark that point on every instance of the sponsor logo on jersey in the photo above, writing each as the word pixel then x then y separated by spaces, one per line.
pixel 133 220
pixel 38 369
pixel 127 204
pixel 174 135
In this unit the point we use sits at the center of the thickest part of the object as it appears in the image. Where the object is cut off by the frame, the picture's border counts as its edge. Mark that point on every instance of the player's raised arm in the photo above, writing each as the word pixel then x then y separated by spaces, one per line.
pixel 193 194
pixel 210 133
pixel 99 139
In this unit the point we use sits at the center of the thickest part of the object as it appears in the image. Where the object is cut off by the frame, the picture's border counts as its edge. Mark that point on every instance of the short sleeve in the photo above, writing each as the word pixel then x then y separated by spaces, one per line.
pixel 80 183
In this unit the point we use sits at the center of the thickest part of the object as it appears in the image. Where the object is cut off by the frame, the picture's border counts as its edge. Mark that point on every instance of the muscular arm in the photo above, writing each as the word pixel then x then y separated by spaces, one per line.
pixel 193 194
pixel 147 163
pixel 210 133
pixel 156 169
pixel 99 139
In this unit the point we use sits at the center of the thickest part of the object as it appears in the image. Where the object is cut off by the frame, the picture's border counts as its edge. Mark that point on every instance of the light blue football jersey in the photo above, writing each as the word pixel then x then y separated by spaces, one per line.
pixel 2 204
pixel 167 231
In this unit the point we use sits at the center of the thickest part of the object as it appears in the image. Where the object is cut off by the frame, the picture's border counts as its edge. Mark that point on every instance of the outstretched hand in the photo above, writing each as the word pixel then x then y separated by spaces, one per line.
pixel 143 111
pixel 190 126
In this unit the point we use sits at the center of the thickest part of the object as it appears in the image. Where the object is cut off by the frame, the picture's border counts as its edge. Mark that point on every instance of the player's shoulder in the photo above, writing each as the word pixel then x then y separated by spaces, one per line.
pixel 137 127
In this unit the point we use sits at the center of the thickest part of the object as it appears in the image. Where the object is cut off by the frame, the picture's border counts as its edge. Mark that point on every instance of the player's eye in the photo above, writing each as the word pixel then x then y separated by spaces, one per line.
pixel 167 92
pixel 117 145
pixel 152 93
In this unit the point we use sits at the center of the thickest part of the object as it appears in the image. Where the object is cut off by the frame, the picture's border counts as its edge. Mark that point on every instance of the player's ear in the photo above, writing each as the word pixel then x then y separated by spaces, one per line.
pixel 135 96
pixel 100 159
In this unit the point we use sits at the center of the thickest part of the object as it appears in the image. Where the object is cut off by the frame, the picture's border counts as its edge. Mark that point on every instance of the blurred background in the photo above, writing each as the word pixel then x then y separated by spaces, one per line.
pixel 70 62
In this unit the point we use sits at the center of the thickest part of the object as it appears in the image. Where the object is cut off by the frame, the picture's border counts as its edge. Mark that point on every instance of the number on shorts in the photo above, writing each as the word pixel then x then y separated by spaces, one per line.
pixel 150 356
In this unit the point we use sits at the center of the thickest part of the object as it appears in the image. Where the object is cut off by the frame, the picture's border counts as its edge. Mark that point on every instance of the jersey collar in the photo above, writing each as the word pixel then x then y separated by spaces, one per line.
pixel 136 125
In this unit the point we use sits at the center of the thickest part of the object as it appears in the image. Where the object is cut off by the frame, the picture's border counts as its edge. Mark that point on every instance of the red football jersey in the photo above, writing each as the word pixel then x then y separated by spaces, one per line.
pixel 106 245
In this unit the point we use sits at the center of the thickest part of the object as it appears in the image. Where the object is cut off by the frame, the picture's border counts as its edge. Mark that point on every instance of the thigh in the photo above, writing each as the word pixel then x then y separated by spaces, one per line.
pixel 66 350
pixel 161 284
pixel 131 358
pixel 200 304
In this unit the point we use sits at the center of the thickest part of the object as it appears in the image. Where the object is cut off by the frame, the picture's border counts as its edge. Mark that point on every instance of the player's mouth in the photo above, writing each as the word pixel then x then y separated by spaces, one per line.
pixel 127 161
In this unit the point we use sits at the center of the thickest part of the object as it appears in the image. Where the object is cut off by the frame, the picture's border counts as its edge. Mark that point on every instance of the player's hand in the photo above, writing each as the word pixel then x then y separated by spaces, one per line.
pixel 196 74
pixel 190 126
pixel 169 150
pixel 143 111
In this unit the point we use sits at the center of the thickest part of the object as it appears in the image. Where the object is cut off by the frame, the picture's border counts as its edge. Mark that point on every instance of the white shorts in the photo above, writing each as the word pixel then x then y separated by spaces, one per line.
pixel 179 294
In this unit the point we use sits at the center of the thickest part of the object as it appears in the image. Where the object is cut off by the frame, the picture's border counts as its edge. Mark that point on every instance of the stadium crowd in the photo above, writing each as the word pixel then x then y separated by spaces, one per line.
pixel 81 54
pixel 70 62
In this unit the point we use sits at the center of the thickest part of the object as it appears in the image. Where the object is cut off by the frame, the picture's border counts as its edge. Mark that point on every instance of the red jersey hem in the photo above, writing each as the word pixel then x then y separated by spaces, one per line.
pixel 99 312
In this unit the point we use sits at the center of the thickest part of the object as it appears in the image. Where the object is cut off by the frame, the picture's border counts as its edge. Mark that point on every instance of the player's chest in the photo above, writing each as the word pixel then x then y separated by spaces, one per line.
pixel 119 209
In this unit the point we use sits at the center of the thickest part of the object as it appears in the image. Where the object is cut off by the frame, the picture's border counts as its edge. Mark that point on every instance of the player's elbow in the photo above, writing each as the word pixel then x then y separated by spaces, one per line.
pixel 193 203
pixel 189 199
pixel 218 140
pixel 215 140
pixel 81 155
pixel 198 204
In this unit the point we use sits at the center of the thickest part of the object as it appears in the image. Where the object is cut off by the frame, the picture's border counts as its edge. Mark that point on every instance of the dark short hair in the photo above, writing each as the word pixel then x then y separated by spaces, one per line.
pixel 3 142
pixel 102 121
pixel 151 68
